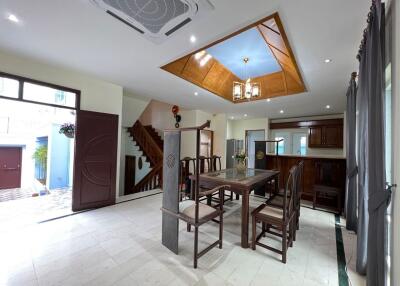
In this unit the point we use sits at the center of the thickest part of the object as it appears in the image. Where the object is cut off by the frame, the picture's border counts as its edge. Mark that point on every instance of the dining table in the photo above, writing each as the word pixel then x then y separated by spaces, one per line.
pixel 242 182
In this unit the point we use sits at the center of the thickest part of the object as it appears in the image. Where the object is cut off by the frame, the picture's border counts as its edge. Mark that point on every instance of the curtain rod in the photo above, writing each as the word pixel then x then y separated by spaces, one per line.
pixel 364 37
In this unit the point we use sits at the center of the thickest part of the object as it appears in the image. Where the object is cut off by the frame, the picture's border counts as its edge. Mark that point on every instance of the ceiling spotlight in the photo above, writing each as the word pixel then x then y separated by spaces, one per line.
pixel 192 39
pixel 327 61
pixel 232 117
pixel 13 18
pixel 281 111
pixel 196 93
pixel 328 106
pixel 245 115
pixel 268 99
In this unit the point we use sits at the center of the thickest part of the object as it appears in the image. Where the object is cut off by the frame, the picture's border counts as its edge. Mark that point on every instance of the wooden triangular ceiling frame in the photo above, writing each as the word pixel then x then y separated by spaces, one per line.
pixel 216 78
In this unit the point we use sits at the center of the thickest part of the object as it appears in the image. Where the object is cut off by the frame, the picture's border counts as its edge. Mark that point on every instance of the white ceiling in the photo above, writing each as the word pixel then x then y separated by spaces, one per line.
pixel 77 35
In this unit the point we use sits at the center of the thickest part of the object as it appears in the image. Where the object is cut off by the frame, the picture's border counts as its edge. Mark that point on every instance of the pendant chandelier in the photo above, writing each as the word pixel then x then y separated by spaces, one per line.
pixel 248 89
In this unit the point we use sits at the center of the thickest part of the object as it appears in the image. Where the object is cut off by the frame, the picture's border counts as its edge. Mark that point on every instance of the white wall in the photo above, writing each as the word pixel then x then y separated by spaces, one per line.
pixel 239 127
pixel 96 95
pixel 396 146
pixel 159 115
pixel 132 108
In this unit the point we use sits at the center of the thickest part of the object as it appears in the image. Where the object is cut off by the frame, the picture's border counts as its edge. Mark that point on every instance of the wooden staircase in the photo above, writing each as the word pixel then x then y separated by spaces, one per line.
pixel 157 138
pixel 151 144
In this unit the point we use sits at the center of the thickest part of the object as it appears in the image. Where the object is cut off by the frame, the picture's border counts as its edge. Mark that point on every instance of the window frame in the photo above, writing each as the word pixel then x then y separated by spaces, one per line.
pixel 23 80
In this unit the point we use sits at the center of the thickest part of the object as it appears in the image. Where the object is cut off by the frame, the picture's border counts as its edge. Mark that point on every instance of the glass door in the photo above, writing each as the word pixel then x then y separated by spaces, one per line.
pixel 388 137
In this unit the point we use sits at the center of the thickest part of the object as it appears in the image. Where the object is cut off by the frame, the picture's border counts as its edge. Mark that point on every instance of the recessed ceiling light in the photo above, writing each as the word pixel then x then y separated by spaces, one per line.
pixel 328 106
pixel 196 93
pixel 245 115
pixel 327 61
pixel 13 18
pixel 281 111
pixel 192 39
pixel 232 117
pixel 268 99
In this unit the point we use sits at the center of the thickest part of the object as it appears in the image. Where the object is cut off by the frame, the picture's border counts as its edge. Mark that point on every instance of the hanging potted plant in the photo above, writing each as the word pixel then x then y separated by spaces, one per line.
pixel 68 129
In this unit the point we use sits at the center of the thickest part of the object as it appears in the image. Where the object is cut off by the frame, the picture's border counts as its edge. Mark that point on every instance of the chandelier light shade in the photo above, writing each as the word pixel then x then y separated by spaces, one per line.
pixel 246 90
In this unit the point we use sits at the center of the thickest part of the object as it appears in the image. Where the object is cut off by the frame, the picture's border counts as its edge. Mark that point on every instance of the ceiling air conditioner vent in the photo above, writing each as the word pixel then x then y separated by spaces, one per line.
pixel 155 19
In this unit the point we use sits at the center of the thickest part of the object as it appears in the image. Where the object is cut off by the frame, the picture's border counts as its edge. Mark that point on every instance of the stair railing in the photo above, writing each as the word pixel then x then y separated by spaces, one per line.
pixel 150 149
pixel 151 181
pixel 146 143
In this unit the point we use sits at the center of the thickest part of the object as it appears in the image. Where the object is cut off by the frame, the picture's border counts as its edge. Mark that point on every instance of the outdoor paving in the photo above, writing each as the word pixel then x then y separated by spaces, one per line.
pixel 25 211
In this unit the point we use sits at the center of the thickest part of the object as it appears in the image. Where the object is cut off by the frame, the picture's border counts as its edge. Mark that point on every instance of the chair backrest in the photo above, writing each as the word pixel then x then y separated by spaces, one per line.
pixel 185 170
pixel 289 192
pixel 205 164
pixel 216 163
pixel 300 181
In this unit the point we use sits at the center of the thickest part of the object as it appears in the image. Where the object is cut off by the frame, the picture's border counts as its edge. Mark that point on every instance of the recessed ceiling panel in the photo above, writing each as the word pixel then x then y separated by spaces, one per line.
pixel 219 65
pixel 249 44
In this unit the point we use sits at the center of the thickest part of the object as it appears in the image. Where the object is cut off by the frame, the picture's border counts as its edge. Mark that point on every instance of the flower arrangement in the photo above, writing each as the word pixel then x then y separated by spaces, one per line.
pixel 68 129
pixel 241 162
pixel 241 157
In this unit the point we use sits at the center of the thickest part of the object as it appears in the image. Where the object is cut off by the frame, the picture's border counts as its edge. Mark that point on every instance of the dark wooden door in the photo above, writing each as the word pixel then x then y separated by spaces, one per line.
pixel 130 172
pixel 10 167
pixel 95 160
pixel 315 137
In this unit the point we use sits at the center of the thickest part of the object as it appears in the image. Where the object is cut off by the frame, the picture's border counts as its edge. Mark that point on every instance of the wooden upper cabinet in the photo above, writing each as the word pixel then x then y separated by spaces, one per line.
pixel 329 136
pixel 333 136
pixel 315 137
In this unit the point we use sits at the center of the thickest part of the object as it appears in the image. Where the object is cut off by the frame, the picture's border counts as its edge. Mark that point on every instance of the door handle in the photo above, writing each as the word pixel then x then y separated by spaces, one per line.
pixel 10 169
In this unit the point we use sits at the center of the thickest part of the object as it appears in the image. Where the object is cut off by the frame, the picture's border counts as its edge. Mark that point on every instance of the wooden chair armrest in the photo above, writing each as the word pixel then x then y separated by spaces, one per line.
pixel 214 190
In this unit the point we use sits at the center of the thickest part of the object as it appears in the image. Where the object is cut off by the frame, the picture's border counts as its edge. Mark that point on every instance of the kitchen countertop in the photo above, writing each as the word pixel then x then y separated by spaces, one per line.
pixel 311 156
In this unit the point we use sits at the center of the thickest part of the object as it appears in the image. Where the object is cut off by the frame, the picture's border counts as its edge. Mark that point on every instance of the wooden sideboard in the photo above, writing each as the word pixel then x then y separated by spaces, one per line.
pixel 311 164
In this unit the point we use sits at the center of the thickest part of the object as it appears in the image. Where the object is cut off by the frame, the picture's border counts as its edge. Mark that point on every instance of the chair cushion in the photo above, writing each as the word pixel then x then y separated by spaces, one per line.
pixel 272 212
pixel 276 200
pixel 185 204
pixel 188 209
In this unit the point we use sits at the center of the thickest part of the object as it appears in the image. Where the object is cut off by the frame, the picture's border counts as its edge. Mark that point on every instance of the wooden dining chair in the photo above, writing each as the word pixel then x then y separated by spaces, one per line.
pixel 277 199
pixel 184 181
pixel 281 219
pixel 195 213
pixel 217 166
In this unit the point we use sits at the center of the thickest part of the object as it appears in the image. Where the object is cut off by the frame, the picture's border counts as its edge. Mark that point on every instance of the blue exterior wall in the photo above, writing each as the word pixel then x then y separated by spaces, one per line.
pixel 59 159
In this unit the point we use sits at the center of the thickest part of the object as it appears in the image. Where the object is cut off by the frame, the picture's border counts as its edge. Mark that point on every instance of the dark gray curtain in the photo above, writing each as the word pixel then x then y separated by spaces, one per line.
pixel 373 197
pixel 351 190
pixel 362 138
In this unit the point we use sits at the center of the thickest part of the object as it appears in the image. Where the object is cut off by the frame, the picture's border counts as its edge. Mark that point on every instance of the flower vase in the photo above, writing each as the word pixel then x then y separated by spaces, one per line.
pixel 241 167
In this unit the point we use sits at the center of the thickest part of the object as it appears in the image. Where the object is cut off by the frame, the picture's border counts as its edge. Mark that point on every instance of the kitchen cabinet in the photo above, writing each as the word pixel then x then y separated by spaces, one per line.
pixel 329 136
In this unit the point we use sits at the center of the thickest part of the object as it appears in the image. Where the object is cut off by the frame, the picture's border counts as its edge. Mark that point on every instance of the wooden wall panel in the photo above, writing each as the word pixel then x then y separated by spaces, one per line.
pixel 177 66
pixel 273 38
pixel 194 72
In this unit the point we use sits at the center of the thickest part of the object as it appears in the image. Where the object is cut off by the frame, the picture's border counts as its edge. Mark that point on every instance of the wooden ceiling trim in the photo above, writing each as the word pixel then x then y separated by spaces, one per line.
pixel 273 39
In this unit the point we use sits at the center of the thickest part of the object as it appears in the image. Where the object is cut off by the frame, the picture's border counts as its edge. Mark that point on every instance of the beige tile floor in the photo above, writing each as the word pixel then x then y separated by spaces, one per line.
pixel 120 245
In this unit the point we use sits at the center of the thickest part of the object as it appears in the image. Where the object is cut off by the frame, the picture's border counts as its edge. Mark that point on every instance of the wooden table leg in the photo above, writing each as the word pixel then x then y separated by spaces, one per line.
pixel 245 219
